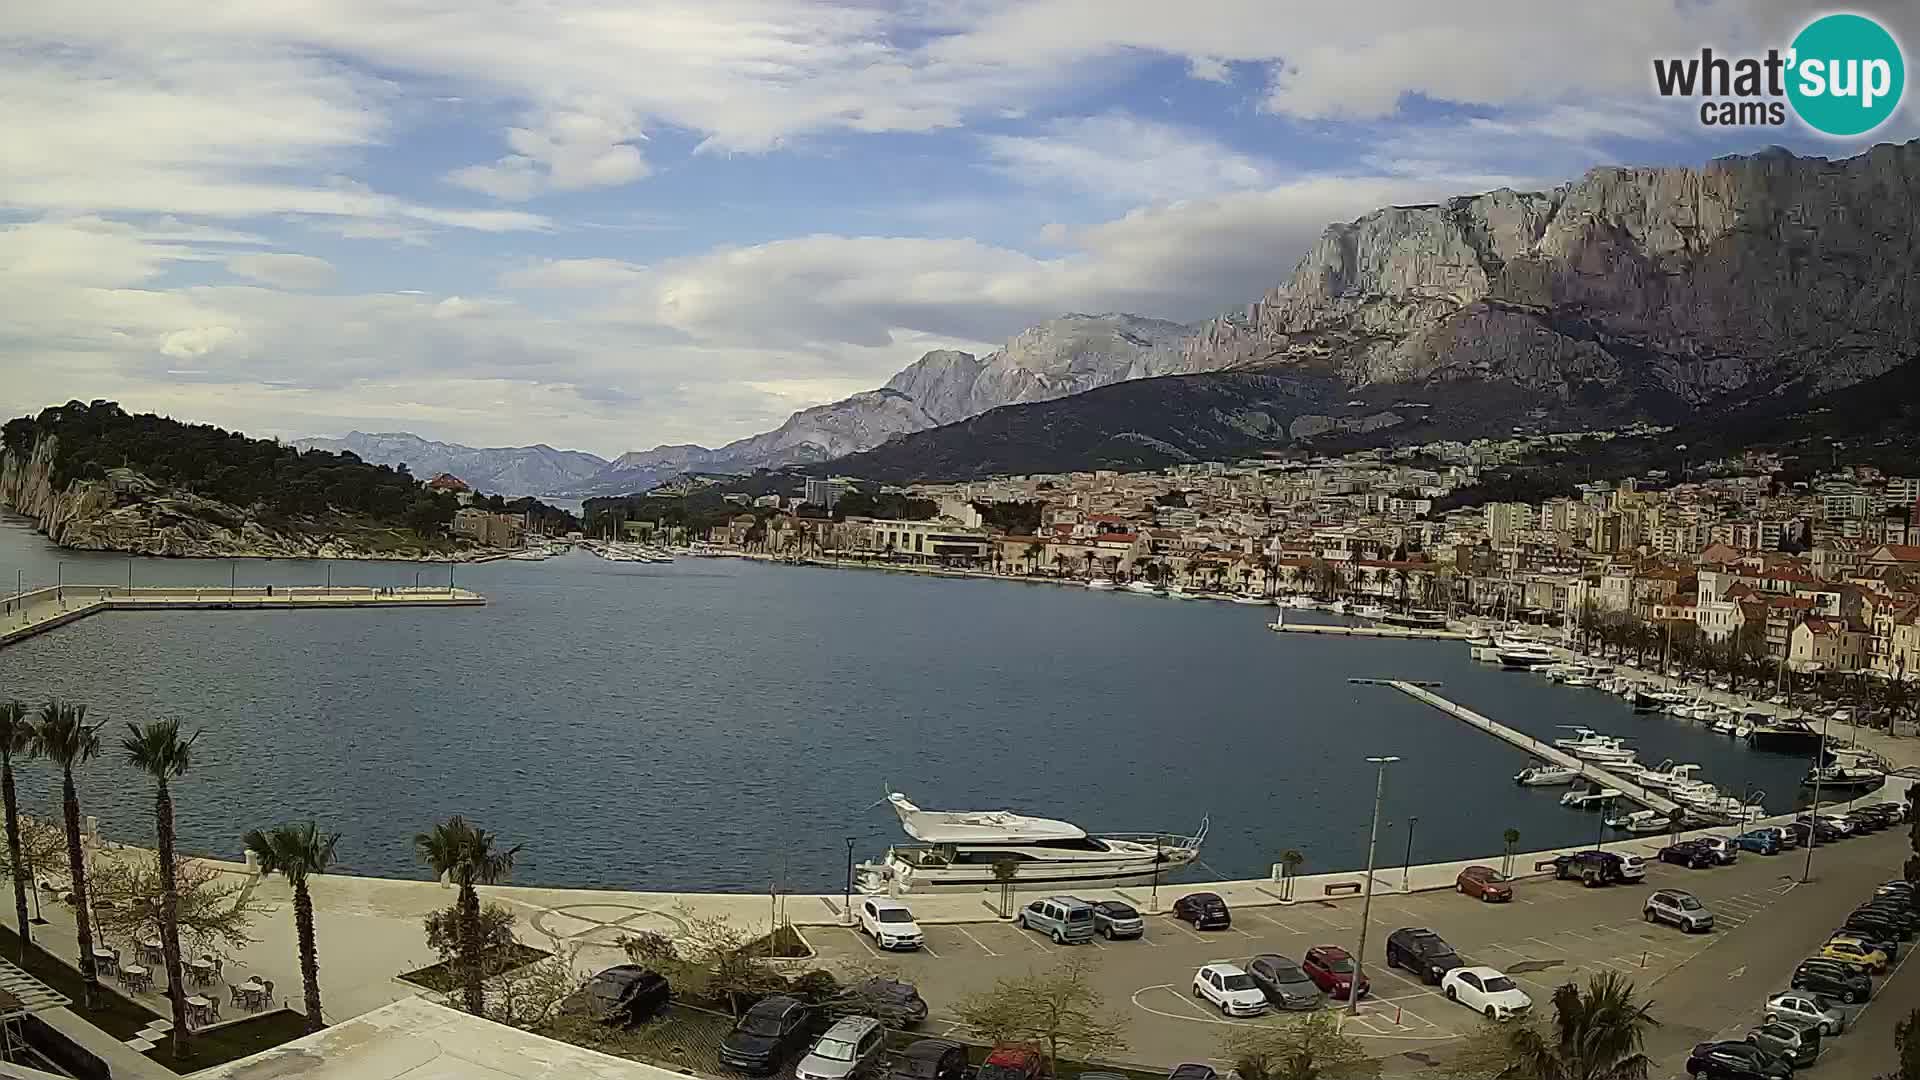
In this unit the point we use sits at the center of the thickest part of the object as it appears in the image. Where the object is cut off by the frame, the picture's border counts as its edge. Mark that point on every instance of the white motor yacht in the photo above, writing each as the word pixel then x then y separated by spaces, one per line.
pixel 1608 754
pixel 1523 655
pixel 1667 775
pixel 1639 821
pixel 1101 584
pixel 1545 776
pixel 959 849
pixel 1145 588
pixel 1257 601
pixel 1175 592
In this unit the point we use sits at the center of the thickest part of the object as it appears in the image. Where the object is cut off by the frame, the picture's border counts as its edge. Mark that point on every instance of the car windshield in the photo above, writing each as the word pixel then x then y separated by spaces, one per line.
pixel 1239 982
pixel 895 915
pixel 1498 983
pixel 1341 965
pixel 834 1050
pixel 1689 903
pixel 761 1024
pixel 1119 911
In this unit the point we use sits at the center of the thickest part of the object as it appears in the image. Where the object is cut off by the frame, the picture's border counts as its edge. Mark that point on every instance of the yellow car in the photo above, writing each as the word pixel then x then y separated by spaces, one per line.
pixel 1852 950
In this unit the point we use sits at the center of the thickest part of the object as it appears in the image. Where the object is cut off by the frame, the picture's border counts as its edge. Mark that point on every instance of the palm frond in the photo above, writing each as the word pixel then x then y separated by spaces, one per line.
pixel 158 750
pixel 16 732
pixel 294 849
pixel 63 735
pixel 465 852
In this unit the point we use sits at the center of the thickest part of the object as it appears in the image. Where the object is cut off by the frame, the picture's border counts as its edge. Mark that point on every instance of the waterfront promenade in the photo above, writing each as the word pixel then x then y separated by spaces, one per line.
pixel 24 615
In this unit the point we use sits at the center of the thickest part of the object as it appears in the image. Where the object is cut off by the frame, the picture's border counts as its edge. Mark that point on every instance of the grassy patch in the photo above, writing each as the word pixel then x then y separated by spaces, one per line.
pixel 117 1015
pixel 443 977
pixel 233 1041
pixel 122 1017
pixel 787 944
pixel 681 1037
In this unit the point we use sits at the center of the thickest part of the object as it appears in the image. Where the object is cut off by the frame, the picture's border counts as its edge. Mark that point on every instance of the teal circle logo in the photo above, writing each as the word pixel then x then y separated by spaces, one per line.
pixel 1847 75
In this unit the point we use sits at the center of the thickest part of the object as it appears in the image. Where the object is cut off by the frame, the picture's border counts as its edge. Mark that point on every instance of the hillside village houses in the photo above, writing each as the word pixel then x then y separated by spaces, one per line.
pixel 1820 576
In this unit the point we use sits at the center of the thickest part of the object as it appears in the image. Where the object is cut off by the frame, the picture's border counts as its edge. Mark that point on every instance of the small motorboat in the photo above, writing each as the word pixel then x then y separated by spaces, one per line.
pixel 1144 588
pixel 1101 584
pixel 1667 775
pixel 1593 798
pixel 1175 592
pixel 1256 601
pixel 1545 776
pixel 1611 751
pixel 1640 821
pixel 1582 736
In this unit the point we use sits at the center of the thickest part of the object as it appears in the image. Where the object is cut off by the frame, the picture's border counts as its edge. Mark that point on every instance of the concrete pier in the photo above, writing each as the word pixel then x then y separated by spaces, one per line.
pixel 1367 631
pixel 37 611
pixel 1546 751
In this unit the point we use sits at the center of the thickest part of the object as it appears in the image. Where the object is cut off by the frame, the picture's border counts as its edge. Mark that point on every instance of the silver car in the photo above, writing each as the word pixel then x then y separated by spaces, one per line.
pixel 846 1047
pixel 1682 909
pixel 1807 1009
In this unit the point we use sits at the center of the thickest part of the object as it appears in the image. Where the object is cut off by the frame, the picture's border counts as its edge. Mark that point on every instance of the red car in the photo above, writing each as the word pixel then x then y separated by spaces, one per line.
pixel 1484 883
pixel 1014 1063
pixel 1331 969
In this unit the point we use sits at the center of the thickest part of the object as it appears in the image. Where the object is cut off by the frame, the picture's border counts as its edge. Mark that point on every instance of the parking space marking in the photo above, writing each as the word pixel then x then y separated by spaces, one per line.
pixel 863 944
pixel 1175 924
pixel 926 948
pixel 1276 922
pixel 1379 969
pixel 1169 991
pixel 1575 933
pixel 1542 944
pixel 976 941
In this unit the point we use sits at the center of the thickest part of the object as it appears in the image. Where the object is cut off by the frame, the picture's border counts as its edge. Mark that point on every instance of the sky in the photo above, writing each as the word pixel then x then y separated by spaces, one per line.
pixel 609 225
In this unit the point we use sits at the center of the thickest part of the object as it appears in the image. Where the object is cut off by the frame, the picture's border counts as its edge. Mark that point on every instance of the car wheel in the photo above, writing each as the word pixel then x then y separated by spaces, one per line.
pixel 1020 921
pixel 1846 997
pixel 1058 939
pixel 1648 914
pixel 1491 1014
pixel 1452 994
pixel 1196 989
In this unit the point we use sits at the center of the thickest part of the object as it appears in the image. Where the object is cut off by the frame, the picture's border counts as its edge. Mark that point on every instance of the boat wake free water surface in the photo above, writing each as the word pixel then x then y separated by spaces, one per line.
pixel 959 849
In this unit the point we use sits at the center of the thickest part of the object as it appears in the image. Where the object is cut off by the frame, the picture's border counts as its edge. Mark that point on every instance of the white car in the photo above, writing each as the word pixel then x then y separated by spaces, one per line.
pixel 1485 990
pixel 889 923
pixel 1231 990
pixel 1807 1010
pixel 1632 867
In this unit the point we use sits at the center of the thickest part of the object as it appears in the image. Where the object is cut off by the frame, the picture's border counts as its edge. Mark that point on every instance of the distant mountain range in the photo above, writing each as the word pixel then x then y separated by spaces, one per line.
pixel 1663 294
pixel 509 470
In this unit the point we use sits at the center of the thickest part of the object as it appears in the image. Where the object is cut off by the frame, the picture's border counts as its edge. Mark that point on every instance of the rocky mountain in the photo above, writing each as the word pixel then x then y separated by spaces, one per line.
pixel 1749 273
pixel 504 470
pixel 1665 294
pixel 1059 357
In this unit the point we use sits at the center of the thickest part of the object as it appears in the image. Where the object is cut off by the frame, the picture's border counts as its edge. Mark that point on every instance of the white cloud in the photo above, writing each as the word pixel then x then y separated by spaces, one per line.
pixel 572 274
pixel 1123 156
pixel 565 149
pixel 287 270
pixel 196 342
pixel 1209 69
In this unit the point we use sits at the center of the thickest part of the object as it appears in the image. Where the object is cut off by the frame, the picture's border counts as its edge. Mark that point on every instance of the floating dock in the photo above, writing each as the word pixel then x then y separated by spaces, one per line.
pixel 40 610
pixel 1545 751
pixel 1367 631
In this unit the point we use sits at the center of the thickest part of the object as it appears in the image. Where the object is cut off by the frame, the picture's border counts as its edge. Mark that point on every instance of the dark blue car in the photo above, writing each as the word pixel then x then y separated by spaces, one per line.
pixel 1759 841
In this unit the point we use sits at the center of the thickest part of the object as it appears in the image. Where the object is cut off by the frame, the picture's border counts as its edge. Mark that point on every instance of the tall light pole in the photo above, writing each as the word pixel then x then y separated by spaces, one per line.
pixel 1813 812
pixel 848 898
pixel 1366 906
pixel 1406 868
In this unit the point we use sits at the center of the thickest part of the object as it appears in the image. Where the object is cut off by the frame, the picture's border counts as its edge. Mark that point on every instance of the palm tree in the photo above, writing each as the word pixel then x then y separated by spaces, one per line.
pixel 1510 838
pixel 465 852
pixel 297 851
pixel 158 750
pixel 1034 551
pixel 16 737
pixel 1290 861
pixel 1597 1034
pixel 65 738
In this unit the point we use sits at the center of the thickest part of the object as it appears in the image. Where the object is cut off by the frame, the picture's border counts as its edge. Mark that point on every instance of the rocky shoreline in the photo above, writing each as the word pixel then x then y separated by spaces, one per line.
pixel 127 513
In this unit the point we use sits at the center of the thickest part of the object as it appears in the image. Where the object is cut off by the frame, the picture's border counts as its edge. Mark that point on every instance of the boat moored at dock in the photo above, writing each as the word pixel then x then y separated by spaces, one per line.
pixel 962 849
pixel 1545 776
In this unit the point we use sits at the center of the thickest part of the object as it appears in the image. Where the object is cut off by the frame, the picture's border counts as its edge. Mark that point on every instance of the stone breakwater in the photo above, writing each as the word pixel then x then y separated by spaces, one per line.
pixel 128 513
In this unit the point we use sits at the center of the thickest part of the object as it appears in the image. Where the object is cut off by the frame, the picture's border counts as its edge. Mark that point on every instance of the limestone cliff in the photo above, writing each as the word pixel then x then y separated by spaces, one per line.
pixel 1748 274
pixel 127 512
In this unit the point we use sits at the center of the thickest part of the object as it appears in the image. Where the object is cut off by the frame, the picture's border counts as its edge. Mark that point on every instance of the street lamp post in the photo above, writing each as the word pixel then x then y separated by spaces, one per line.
pixel 848 897
pixel 1813 812
pixel 1406 868
pixel 1600 833
pixel 1366 905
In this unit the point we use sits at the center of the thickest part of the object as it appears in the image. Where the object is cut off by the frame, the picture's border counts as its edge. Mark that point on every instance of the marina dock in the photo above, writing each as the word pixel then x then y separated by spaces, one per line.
pixel 37 611
pixel 1366 631
pixel 1545 751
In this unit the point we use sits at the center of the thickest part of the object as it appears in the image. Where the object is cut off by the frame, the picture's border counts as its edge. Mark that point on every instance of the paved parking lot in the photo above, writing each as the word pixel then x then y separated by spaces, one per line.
pixel 1551 933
